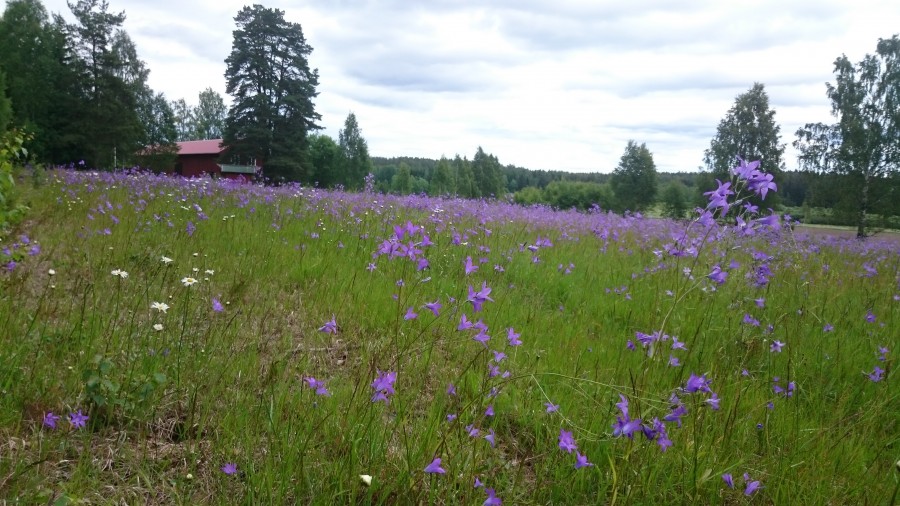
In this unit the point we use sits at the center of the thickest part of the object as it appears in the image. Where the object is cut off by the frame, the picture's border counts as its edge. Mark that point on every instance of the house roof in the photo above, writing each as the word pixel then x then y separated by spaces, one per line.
pixel 208 147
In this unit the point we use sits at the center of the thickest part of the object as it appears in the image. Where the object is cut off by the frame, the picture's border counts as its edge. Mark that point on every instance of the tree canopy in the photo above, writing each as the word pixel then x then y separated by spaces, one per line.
pixel 269 78
pixel 748 131
pixel 634 180
pixel 863 145
pixel 356 153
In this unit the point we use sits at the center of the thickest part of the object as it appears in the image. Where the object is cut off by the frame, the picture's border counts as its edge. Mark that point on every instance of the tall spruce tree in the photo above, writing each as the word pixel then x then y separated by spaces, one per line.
pixel 269 78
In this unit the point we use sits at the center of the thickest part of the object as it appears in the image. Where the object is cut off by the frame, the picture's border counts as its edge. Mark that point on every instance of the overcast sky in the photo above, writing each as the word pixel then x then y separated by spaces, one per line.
pixel 560 84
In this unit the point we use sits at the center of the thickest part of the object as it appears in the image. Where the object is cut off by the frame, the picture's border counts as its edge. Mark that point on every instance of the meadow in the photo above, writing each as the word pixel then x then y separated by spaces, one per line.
pixel 173 341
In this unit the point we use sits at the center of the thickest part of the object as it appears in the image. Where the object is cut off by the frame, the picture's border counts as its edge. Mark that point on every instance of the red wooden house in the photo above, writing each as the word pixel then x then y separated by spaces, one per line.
pixel 199 158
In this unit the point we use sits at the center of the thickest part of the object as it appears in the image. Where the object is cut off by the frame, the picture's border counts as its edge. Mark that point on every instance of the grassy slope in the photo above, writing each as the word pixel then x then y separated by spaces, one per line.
pixel 217 387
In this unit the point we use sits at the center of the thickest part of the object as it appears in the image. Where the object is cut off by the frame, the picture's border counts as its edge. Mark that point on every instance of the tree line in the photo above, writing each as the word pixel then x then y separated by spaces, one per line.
pixel 80 92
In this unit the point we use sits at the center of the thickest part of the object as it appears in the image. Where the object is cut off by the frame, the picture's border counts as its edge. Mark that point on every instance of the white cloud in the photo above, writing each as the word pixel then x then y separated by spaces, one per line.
pixel 545 85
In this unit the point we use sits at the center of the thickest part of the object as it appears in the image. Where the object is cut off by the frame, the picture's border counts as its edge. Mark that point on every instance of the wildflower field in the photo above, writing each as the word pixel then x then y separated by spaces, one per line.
pixel 172 341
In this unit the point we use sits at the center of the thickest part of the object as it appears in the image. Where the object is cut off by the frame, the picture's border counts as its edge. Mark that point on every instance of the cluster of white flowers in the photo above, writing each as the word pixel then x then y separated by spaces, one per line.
pixel 118 272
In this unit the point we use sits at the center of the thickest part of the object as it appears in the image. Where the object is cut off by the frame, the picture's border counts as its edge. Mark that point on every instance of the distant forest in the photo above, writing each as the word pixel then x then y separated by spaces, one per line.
pixel 809 196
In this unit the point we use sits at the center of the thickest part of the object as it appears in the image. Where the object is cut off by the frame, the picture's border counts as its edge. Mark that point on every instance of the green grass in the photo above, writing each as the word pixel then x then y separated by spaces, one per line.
pixel 168 408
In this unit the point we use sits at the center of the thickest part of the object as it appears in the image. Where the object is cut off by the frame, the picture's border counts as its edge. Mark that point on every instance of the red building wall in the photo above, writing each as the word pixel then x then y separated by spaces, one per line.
pixel 197 165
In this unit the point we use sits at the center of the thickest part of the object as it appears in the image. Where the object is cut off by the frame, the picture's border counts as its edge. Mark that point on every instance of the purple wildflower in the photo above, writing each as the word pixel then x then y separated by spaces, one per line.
pixel 876 375
pixel 451 389
pixel 566 442
pixel 776 346
pixel 78 419
pixel 728 480
pixel 551 408
pixel 318 386
pixel 50 420
pixel 480 297
pixel 713 401
pixel 435 467
pixel 330 327
pixel 383 386
pixel 434 307
pixel 410 314
pixel 676 414
pixel 752 486
pixel 492 499
pixel 717 275
pixel 464 323
pixel 229 468
pixel 581 461
pixel 490 438
pixel 489 411
pixel 217 305
pixel 513 337
pixel 696 384
pixel 470 267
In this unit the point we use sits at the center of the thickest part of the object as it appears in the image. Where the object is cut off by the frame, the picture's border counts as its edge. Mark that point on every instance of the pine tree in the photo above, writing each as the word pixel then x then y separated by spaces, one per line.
pixel 108 123
pixel 268 76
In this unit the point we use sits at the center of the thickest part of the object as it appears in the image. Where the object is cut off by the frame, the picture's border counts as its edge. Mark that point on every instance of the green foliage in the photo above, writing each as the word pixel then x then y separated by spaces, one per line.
pixel 110 77
pixel 488 174
pixel 356 153
pixel 269 78
pixel 185 124
pixel 12 150
pixel 5 105
pixel 675 200
pixel 327 160
pixel 443 182
pixel 748 131
pixel 634 180
pixel 402 183
pixel 209 115
pixel 864 144
pixel 466 186
pixel 31 50
pixel 529 195
pixel 568 195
